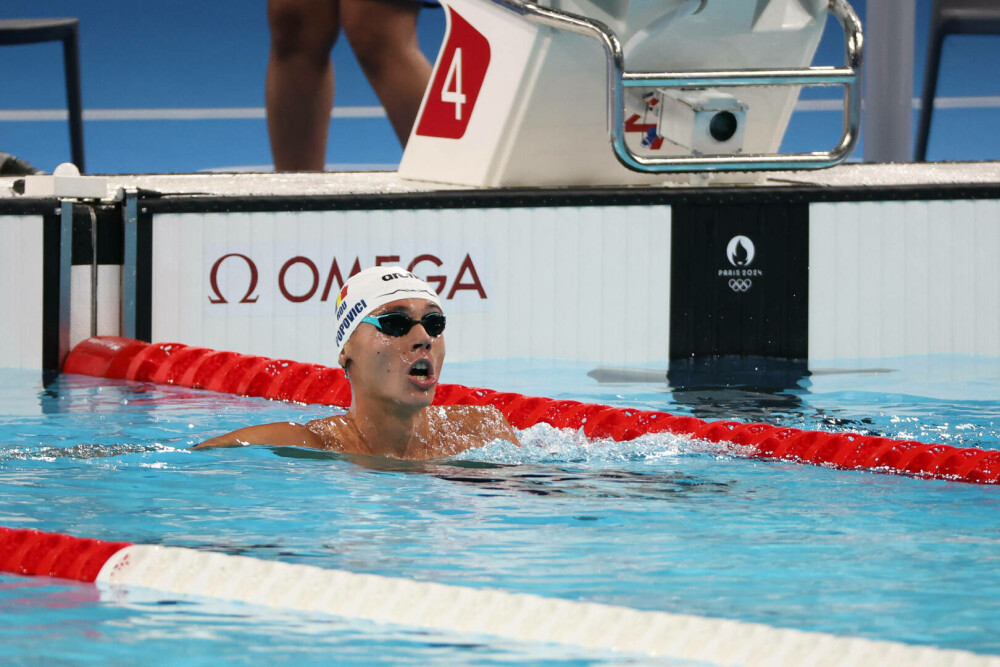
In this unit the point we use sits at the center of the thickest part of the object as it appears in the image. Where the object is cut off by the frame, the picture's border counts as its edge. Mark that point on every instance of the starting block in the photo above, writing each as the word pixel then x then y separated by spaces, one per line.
pixel 529 95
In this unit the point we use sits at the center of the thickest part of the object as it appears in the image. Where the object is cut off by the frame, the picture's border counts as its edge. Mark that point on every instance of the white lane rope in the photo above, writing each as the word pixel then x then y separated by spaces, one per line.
pixel 517 616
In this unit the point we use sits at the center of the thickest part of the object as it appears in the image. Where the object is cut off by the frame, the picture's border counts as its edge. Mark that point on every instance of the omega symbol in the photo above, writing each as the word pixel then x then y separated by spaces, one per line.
pixel 214 279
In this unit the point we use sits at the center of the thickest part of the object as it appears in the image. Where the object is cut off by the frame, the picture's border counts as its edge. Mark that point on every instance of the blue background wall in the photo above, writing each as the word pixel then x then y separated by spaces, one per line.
pixel 206 55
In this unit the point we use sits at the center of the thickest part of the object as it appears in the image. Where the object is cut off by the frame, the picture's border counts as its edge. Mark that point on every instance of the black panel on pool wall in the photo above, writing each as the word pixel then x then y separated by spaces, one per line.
pixel 739 281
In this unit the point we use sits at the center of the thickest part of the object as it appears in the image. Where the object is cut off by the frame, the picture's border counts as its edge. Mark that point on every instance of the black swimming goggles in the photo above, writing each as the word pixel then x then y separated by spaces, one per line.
pixel 399 324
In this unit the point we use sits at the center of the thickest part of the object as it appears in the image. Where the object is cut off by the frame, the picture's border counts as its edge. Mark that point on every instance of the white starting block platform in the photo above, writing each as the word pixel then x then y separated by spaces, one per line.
pixel 616 92
pixel 855 262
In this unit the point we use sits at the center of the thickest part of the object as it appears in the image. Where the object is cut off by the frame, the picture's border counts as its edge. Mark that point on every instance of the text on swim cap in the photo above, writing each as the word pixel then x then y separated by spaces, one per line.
pixel 341 308
pixel 393 276
pixel 349 317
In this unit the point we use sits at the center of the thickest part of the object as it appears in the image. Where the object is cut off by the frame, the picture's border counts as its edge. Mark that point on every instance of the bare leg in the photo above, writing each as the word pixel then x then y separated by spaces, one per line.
pixel 383 35
pixel 299 84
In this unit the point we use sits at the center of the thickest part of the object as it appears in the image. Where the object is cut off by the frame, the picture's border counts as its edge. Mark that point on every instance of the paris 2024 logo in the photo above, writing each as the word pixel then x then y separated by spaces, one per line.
pixel 740 251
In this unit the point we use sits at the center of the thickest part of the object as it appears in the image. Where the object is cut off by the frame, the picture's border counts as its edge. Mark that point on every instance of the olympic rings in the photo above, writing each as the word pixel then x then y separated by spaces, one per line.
pixel 740 284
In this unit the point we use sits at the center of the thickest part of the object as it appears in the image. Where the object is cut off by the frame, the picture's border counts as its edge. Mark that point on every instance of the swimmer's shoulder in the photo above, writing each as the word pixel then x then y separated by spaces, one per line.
pixel 485 422
pixel 334 433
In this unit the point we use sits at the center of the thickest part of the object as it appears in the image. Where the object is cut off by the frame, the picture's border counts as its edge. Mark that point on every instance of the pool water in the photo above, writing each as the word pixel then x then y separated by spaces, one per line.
pixel 660 523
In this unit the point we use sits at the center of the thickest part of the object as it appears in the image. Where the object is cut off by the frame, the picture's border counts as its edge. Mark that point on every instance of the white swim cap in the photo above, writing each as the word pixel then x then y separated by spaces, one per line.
pixel 374 287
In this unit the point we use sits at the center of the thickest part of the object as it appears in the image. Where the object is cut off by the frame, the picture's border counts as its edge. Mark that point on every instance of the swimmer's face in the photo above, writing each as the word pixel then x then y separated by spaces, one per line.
pixel 401 370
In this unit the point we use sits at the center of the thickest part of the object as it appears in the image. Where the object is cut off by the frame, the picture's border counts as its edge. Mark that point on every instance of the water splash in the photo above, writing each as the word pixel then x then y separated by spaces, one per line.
pixel 81 451
pixel 543 443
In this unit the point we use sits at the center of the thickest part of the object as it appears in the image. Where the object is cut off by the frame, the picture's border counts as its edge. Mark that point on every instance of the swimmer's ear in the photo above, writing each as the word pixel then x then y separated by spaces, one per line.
pixel 342 358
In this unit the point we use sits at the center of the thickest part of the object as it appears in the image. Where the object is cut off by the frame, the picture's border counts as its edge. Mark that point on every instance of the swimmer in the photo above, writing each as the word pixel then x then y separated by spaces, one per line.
pixel 390 337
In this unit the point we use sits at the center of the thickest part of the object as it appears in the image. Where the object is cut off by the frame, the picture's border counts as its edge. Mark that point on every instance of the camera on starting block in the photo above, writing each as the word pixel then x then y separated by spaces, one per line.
pixel 706 122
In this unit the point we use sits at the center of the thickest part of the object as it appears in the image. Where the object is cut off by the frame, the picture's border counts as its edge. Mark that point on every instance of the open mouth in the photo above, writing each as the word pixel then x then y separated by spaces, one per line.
pixel 421 369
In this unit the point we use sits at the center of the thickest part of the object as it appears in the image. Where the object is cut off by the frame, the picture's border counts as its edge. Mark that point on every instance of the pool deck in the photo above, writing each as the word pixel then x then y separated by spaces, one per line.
pixel 351 184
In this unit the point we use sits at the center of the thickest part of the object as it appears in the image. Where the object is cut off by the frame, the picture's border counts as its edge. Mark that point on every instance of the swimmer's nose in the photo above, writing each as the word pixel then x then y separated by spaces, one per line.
pixel 420 336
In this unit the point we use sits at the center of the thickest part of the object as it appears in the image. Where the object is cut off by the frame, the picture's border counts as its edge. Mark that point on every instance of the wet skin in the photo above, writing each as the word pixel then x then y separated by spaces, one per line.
pixel 393 382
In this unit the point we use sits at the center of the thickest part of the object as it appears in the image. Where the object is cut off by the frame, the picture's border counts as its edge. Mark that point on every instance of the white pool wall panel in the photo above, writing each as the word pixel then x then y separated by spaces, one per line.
pixel 560 282
pixel 904 278
pixel 108 302
pixel 21 257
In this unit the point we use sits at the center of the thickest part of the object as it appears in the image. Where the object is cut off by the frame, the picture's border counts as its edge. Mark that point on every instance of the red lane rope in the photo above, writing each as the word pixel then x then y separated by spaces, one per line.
pixel 247 375
pixel 52 554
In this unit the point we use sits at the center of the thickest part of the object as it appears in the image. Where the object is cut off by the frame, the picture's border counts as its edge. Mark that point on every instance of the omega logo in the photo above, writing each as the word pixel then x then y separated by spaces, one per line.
pixel 466 278
pixel 214 279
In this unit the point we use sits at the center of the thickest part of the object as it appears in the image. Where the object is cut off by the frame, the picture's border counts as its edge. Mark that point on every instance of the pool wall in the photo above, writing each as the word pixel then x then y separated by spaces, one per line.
pixel 897 278
pixel 861 261
pixel 21 273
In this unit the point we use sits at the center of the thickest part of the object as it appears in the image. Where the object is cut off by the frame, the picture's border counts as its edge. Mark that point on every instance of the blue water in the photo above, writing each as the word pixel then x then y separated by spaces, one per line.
pixel 660 523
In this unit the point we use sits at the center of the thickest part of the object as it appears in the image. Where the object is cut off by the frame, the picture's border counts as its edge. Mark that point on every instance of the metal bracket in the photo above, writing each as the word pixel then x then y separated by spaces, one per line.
pixel 130 289
pixel 848 76
pixel 65 272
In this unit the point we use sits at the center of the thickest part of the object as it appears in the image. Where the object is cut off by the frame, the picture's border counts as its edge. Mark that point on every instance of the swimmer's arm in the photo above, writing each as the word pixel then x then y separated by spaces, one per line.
pixel 281 434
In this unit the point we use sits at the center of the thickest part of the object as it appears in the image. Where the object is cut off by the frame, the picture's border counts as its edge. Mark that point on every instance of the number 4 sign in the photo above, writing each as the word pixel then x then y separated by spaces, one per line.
pixel 457 80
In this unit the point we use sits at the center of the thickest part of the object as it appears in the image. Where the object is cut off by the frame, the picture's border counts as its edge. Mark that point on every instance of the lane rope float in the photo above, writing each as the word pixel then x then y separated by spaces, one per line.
pixel 280 379
pixel 451 608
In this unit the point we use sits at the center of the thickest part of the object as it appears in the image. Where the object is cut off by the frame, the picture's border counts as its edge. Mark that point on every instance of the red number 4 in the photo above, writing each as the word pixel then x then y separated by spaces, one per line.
pixel 457 80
